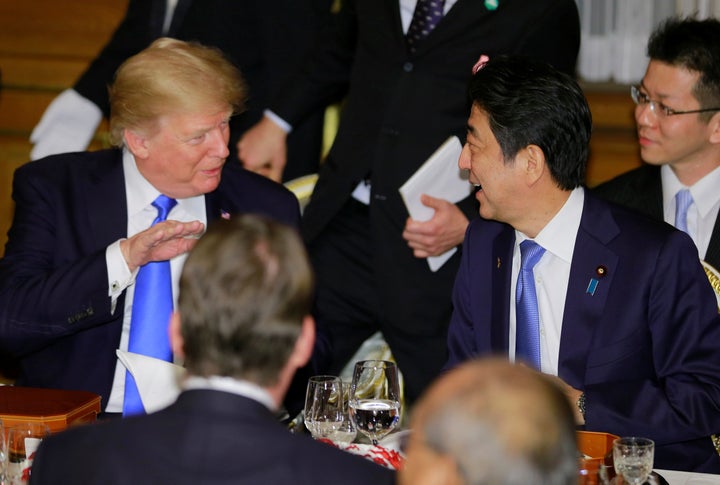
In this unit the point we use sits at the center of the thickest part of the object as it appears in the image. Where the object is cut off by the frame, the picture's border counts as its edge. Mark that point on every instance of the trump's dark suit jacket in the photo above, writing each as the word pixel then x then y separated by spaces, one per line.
pixel 641 189
pixel 55 312
pixel 208 437
pixel 645 347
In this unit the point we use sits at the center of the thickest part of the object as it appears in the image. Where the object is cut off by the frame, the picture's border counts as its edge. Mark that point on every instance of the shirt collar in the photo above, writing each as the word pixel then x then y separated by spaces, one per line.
pixel 558 235
pixel 704 192
pixel 239 387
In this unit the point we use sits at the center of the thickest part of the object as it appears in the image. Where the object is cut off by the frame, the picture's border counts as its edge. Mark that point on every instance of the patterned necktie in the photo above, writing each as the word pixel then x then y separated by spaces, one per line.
pixel 151 309
pixel 683 201
pixel 426 16
pixel 527 334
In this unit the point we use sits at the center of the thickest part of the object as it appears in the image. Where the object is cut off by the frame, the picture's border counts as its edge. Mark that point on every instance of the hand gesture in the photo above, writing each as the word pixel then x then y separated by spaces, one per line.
pixel 444 231
pixel 263 149
pixel 161 242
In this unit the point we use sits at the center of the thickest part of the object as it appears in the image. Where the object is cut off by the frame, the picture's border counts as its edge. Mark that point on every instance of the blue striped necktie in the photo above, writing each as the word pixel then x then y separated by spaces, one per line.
pixel 527 316
pixel 151 309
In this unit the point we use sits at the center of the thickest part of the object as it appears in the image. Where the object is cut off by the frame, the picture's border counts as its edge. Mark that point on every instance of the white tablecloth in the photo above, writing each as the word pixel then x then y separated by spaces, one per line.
pixel 689 478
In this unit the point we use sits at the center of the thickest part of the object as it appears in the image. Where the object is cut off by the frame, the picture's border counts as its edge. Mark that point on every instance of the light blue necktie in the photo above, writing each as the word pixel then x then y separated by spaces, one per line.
pixel 151 309
pixel 426 16
pixel 527 334
pixel 683 201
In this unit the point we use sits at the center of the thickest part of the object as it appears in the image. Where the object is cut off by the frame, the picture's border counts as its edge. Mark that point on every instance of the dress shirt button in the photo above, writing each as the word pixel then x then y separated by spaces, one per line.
pixel 408 66
pixel 115 286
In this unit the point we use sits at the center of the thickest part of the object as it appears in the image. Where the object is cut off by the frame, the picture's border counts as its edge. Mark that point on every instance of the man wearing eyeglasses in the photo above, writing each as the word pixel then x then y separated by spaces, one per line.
pixel 678 122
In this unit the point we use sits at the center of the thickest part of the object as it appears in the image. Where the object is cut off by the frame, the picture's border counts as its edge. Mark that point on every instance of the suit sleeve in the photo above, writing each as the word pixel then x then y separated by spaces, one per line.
pixel 48 288
pixel 461 336
pixel 681 401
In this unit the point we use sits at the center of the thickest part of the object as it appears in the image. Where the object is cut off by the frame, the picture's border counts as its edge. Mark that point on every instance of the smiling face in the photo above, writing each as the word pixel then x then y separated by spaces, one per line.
pixel 183 155
pixel 500 182
pixel 682 140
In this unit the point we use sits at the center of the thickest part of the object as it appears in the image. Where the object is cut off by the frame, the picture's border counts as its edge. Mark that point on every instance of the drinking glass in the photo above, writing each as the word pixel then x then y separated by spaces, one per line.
pixel 347 432
pixel 3 454
pixel 323 405
pixel 374 400
pixel 23 440
pixel 633 458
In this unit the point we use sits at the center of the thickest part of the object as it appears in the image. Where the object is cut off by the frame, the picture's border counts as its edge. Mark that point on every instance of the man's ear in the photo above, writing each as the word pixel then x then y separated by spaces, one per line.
pixel 177 342
pixel 714 129
pixel 533 163
pixel 136 143
pixel 305 343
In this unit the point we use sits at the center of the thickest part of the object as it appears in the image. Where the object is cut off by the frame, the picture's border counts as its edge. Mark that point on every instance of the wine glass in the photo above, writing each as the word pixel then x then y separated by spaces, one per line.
pixel 22 442
pixel 374 400
pixel 633 458
pixel 347 432
pixel 323 405
pixel 3 454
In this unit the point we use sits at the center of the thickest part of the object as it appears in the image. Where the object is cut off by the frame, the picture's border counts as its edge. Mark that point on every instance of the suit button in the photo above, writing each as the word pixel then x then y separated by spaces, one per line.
pixel 408 67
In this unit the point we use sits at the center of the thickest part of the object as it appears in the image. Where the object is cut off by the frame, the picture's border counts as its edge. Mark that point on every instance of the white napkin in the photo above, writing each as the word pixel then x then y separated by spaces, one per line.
pixel 158 382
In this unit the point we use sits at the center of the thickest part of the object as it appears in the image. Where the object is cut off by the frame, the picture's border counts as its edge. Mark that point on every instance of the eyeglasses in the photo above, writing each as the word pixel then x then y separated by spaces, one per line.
pixel 641 99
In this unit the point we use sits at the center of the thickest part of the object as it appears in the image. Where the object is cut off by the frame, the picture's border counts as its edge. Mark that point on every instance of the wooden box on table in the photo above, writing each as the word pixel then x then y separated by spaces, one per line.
pixel 58 409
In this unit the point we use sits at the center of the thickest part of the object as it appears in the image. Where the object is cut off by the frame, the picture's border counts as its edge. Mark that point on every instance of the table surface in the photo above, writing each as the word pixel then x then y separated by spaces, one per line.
pixel 675 477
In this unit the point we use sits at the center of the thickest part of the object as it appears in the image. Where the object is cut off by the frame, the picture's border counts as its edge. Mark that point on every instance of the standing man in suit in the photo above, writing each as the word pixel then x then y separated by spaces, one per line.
pixel 265 39
pixel 490 422
pixel 404 96
pixel 83 221
pixel 678 122
pixel 623 314
pixel 243 327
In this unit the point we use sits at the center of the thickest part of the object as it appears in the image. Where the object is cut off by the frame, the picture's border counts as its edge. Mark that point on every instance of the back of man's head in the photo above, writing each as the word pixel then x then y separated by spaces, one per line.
pixel 244 292
pixel 494 423
pixel 695 46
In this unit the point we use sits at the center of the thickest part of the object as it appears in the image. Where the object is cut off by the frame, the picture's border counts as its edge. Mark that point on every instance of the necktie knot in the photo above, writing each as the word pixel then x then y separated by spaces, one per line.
pixel 683 201
pixel 530 254
pixel 164 205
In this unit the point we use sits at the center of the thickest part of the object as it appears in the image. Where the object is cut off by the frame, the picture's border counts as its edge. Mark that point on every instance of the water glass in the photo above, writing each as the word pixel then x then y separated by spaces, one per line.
pixel 375 398
pixel 323 411
pixel 633 458
pixel 22 441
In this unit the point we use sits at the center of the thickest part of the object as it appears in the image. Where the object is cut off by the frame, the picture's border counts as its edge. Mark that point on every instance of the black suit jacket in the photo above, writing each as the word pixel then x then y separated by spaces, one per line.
pixel 205 437
pixel 399 108
pixel 266 39
pixel 641 189
pixel 55 313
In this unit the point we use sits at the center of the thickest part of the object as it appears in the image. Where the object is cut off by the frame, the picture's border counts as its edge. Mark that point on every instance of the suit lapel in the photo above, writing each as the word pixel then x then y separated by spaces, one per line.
pixel 107 221
pixel 501 281
pixel 712 255
pixel 591 276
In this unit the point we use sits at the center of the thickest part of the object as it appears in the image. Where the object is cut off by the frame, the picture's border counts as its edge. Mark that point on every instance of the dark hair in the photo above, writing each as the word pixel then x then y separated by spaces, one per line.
pixel 244 291
pixel 693 45
pixel 529 102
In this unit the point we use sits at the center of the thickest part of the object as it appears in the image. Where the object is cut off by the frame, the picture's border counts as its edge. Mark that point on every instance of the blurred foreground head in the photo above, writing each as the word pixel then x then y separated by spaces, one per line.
pixel 492 422
pixel 245 296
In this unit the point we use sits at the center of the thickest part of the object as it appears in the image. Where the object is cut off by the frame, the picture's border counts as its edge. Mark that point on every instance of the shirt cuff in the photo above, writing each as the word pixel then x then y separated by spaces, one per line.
pixel 286 127
pixel 119 275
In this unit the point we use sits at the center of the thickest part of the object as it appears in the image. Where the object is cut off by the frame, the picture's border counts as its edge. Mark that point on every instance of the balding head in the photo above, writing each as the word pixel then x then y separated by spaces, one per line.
pixel 492 422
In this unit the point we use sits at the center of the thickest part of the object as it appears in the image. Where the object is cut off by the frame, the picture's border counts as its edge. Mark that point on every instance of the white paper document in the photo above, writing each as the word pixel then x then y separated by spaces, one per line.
pixel 158 382
pixel 440 177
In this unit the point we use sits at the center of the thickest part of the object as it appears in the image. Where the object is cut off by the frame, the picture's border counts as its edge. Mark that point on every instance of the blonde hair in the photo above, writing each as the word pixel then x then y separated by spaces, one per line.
pixel 171 76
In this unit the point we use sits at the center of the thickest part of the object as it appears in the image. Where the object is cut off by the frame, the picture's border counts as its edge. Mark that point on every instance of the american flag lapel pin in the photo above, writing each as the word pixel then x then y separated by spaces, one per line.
pixel 224 214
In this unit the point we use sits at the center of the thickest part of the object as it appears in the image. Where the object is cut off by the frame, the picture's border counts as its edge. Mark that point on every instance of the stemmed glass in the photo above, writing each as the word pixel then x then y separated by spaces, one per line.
pixel 23 440
pixel 633 458
pixel 323 405
pixel 374 399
